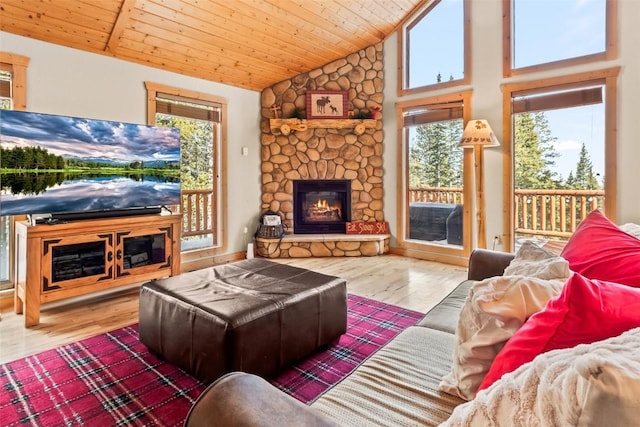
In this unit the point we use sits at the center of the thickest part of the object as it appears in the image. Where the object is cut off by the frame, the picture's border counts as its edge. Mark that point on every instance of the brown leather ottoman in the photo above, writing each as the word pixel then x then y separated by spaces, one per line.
pixel 255 316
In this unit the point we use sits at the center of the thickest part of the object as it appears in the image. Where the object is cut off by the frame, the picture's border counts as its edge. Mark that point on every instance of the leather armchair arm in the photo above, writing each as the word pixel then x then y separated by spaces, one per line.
pixel 241 399
pixel 485 263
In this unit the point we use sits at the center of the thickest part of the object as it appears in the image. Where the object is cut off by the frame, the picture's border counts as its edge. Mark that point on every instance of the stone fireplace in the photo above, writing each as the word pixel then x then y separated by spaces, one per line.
pixel 321 206
pixel 325 152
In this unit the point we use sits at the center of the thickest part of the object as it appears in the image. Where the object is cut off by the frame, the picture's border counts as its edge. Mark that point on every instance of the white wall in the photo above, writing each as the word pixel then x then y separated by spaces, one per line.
pixel 486 78
pixel 71 82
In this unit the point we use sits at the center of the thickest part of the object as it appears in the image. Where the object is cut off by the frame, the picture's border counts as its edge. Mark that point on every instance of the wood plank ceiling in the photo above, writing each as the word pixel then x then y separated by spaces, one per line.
pixel 250 44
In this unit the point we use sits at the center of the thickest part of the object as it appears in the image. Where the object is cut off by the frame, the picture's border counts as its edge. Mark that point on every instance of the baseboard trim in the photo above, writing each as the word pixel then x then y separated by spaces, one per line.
pixel 430 256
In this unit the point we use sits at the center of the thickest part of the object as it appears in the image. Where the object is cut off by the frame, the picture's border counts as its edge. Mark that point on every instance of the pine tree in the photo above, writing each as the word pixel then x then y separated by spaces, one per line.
pixel 534 153
pixel 434 158
pixel 585 178
pixel 528 155
pixel 196 150
pixel 571 180
pixel 549 153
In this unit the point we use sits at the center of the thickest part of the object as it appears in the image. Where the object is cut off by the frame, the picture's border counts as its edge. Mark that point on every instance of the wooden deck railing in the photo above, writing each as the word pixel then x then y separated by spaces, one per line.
pixel 549 213
pixel 554 213
pixel 198 214
pixel 436 194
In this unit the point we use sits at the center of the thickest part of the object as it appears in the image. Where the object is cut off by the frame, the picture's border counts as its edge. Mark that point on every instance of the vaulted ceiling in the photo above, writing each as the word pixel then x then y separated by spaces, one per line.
pixel 245 43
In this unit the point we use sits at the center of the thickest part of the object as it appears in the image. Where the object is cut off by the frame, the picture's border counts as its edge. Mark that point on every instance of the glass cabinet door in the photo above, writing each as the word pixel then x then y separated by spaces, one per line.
pixel 73 261
pixel 79 260
pixel 142 250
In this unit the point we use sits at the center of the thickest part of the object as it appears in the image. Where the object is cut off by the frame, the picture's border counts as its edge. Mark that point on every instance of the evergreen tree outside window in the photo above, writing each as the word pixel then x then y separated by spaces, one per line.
pixel 585 175
pixel 535 152
pixel 435 160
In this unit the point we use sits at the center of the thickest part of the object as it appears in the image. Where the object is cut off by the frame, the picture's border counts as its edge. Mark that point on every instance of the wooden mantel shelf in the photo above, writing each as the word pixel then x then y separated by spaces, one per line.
pixel 287 125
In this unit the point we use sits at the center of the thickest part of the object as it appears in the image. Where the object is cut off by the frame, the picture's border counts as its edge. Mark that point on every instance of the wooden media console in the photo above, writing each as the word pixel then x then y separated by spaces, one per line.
pixel 63 260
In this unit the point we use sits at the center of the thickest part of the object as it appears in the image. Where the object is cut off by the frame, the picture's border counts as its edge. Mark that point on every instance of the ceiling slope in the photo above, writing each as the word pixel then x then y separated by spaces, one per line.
pixel 250 44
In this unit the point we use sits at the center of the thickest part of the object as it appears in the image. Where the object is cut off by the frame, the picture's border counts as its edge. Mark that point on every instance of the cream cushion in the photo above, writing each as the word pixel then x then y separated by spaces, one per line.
pixel 495 309
pixel 534 261
pixel 594 384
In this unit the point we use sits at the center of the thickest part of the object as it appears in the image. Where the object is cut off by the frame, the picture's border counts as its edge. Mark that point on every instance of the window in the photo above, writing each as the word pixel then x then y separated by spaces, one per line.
pixel 563 153
pixel 200 118
pixel 5 89
pixel 574 32
pixel 435 47
pixel 433 216
pixel 13 95
pixel 5 223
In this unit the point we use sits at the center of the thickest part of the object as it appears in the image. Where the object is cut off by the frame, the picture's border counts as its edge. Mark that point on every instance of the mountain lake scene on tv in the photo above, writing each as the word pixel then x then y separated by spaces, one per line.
pixel 53 164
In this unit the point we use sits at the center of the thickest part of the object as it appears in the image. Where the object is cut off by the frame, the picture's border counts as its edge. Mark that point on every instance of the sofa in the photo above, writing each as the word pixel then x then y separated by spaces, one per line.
pixel 396 386
pixel 531 338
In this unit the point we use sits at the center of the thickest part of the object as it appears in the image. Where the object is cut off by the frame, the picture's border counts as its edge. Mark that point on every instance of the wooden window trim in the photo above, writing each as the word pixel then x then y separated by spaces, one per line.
pixel 611 44
pixel 17 66
pixel 607 77
pixel 429 251
pixel 403 55
pixel 153 89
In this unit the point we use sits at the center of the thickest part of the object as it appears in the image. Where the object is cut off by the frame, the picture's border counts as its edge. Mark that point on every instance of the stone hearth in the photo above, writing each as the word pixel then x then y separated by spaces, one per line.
pixel 323 245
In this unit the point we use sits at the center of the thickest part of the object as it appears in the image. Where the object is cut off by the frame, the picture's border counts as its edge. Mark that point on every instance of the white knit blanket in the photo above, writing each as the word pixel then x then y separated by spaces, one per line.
pixel 588 385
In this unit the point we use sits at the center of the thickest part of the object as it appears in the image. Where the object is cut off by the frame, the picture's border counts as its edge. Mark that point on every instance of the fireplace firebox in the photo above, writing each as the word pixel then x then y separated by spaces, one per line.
pixel 321 206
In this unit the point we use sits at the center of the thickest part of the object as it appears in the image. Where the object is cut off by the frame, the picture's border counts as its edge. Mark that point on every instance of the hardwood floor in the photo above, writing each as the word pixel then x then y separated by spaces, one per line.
pixel 406 282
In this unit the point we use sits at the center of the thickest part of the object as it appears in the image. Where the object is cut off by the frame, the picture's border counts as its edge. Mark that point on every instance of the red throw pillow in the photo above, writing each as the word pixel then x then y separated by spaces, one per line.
pixel 600 250
pixel 586 311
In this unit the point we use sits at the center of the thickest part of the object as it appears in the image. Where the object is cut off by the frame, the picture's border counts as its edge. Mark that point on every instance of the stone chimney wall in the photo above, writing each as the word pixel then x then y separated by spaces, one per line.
pixel 325 153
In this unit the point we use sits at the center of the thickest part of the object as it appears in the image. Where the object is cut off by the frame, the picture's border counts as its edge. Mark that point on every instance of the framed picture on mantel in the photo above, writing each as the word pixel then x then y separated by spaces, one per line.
pixel 326 104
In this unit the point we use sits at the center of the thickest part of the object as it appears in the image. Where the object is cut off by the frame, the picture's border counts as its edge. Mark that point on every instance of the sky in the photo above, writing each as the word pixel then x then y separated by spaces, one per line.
pixel 571 28
pixel 71 137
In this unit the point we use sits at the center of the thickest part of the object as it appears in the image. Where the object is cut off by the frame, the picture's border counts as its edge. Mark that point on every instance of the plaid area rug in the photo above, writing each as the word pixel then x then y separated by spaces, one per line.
pixel 112 380
pixel 370 325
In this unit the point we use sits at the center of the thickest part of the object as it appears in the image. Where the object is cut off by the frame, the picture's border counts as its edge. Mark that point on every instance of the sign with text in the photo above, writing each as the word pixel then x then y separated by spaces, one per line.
pixel 361 227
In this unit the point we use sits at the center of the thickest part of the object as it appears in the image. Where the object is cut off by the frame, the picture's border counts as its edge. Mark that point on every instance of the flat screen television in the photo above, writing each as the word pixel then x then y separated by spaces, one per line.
pixel 81 168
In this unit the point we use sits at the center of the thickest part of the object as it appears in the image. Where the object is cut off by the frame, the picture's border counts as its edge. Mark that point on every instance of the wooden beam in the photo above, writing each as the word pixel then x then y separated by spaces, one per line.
pixel 124 16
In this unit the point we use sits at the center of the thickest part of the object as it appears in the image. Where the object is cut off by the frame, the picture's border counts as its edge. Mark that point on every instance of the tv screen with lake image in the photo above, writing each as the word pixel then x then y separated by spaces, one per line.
pixel 53 164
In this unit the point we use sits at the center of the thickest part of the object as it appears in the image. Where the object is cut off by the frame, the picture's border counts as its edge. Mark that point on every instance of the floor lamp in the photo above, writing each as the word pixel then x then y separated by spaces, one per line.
pixel 478 135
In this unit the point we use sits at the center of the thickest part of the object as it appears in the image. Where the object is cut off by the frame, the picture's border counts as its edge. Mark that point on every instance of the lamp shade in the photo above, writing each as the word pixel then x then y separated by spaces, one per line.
pixel 478 132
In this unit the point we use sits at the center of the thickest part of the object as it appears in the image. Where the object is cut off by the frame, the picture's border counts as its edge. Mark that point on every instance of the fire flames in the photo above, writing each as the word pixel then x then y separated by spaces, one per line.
pixel 322 210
